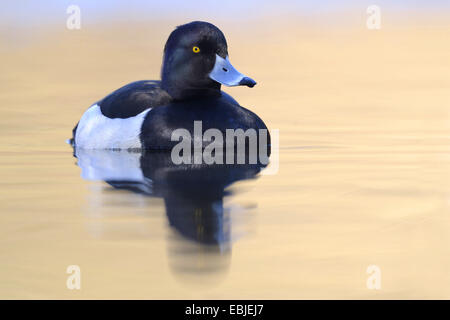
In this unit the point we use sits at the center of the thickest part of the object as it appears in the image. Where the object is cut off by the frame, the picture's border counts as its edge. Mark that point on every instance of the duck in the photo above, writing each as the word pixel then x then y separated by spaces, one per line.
pixel 142 115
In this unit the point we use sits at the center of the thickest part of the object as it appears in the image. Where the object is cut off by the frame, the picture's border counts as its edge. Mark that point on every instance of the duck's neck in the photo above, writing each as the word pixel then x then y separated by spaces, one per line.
pixel 181 91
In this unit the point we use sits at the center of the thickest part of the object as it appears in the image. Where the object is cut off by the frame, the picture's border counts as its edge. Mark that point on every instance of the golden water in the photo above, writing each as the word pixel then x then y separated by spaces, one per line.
pixel 363 176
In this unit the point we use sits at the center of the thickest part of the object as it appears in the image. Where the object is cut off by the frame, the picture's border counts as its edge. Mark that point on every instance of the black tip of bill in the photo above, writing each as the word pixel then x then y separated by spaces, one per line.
pixel 246 81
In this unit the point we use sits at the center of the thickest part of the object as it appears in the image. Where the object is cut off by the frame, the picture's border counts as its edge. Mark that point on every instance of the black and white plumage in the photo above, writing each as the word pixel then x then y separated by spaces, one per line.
pixel 143 114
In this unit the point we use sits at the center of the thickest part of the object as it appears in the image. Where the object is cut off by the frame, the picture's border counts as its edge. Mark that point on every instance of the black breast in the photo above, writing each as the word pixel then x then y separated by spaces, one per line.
pixel 219 113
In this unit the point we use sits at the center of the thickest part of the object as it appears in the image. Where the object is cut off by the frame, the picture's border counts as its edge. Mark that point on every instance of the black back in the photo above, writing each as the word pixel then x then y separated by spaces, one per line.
pixel 132 99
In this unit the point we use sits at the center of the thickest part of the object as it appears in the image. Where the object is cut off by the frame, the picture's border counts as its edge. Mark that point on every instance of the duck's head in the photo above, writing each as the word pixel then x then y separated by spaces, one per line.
pixel 196 62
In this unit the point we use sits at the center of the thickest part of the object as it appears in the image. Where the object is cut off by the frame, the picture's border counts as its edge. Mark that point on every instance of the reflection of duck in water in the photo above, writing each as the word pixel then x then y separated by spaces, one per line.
pixel 193 194
pixel 193 197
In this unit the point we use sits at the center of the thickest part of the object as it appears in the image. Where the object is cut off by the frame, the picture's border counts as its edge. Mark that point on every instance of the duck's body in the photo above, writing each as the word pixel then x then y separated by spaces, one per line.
pixel 144 114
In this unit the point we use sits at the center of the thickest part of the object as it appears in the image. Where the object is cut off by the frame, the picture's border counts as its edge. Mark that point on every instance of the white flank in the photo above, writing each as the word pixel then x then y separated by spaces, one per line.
pixel 95 131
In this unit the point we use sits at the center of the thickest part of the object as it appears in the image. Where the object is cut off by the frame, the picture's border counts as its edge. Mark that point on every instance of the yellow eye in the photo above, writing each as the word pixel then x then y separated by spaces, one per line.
pixel 196 49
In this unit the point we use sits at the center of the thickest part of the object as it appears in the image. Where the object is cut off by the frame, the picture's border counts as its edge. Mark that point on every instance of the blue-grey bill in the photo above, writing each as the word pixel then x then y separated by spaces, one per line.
pixel 224 73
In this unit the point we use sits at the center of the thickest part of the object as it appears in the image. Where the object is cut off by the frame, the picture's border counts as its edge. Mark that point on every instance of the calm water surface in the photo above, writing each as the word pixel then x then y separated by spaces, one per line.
pixel 363 174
